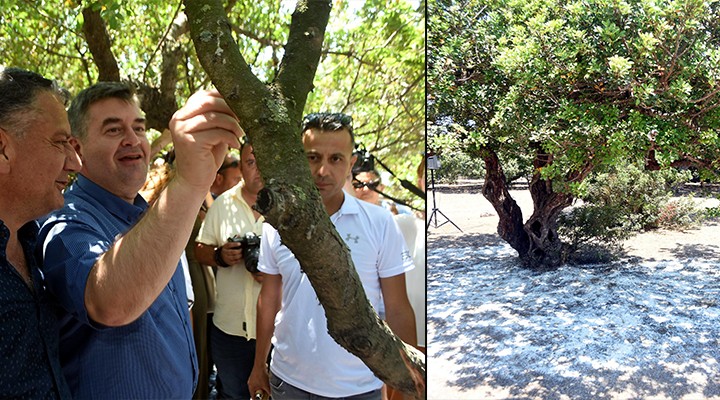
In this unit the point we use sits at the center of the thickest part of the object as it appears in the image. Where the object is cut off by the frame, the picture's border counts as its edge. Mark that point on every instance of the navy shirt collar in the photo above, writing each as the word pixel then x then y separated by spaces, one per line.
pixel 27 234
pixel 114 204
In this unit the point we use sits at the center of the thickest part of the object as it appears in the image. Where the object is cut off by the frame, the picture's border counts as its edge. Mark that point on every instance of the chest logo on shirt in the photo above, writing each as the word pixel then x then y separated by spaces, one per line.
pixel 349 237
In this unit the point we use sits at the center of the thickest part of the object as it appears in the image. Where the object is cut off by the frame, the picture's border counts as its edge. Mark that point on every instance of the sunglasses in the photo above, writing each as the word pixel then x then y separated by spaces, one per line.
pixel 223 167
pixel 370 185
pixel 321 118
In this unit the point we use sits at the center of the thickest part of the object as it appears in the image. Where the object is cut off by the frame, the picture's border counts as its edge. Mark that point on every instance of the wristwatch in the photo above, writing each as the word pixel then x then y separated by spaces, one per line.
pixel 218 258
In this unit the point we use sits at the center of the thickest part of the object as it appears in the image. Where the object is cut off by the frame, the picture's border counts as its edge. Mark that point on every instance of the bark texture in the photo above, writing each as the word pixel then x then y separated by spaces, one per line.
pixel 536 240
pixel 495 190
pixel 546 249
pixel 98 41
pixel 270 115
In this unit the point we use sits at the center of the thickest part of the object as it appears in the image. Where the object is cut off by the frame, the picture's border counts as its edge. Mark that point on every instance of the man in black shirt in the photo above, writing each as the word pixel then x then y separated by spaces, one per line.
pixel 35 159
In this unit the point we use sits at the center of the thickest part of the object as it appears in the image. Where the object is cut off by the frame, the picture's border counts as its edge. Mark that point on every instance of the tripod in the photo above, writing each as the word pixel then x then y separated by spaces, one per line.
pixel 436 210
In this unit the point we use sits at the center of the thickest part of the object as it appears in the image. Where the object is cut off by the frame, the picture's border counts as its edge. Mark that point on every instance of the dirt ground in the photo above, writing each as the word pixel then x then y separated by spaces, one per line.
pixel 472 222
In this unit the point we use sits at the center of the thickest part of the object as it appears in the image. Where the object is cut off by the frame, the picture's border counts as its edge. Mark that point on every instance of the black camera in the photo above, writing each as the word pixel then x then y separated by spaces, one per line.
pixel 365 161
pixel 250 244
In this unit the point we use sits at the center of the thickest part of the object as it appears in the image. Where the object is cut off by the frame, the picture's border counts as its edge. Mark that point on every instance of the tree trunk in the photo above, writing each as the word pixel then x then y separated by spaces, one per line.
pixel 536 240
pixel 495 190
pixel 546 249
pixel 99 44
pixel 270 115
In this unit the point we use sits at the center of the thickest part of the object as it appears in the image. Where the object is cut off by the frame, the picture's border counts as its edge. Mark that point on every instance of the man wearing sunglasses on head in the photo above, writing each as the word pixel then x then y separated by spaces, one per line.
pixel 306 361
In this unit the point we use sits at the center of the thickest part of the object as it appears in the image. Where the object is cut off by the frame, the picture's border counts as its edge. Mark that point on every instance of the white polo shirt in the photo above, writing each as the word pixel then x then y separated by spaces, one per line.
pixel 305 355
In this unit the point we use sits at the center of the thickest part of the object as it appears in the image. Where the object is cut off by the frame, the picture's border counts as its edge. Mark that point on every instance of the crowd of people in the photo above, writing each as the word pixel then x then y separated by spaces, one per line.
pixel 110 294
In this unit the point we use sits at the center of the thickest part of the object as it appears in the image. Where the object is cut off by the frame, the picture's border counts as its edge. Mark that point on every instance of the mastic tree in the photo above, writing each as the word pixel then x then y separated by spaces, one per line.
pixel 572 87
pixel 369 63
pixel 372 65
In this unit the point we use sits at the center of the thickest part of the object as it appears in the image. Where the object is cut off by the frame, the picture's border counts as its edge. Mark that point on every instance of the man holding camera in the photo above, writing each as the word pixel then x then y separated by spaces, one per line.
pixel 227 239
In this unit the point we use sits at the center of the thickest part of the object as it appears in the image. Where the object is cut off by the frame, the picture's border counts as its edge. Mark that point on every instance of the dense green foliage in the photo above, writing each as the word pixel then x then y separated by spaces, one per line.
pixel 578 82
pixel 621 202
pixel 373 65
pixel 558 90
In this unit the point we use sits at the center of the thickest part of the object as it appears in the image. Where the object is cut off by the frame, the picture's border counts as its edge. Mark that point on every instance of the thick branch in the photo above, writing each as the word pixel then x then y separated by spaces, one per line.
pixel 98 41
pixel 495 190
pixel 302 53
pixel 219 55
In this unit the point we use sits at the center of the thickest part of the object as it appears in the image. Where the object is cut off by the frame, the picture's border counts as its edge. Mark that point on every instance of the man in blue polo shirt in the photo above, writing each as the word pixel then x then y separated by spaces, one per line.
pixel 112 262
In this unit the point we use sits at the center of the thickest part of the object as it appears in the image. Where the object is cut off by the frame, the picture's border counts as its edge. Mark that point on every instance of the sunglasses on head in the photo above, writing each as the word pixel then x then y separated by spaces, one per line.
pixel 317 119
pixel 370 185
pixel 223 167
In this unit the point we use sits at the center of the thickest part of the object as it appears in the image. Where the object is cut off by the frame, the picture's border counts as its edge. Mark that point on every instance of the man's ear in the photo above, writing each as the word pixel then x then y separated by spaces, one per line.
pixel 353 160
pixel 75 143
pixel 6 152
pixel 219 178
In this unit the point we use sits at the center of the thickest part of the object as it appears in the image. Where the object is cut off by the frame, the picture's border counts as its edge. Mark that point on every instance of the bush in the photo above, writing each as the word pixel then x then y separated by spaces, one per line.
pixel 679 214
pixel 457 164
pixel 619 203
pixel 454 161
pixel 593 233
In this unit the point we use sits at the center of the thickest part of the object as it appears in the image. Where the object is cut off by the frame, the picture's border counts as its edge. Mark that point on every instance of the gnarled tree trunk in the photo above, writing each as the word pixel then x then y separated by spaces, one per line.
pixel 546 250
pixel 495 189
pixel 536 240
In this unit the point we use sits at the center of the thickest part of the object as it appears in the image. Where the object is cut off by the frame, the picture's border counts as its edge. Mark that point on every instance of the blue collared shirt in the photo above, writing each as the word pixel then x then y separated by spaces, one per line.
pixel 29 363
pixel 152 357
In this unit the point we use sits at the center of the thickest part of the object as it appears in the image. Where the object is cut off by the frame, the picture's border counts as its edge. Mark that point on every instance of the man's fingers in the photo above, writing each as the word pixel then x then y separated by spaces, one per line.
pixel 202 131
pixel 209 116
pixel 202 102
pixel 211 120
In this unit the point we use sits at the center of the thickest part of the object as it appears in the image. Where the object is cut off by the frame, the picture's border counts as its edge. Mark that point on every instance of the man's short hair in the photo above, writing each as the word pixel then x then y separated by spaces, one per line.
pixel 325 121
pixel 229 162
pixel 374 175
pixel 77 113
pixel 18 90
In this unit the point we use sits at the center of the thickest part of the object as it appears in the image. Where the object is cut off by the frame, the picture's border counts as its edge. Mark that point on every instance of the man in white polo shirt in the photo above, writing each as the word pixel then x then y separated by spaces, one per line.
pixel 306 361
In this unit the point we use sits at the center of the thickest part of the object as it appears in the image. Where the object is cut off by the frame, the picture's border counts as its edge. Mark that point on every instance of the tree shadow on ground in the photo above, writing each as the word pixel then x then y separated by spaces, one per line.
pixel 471 240
pixel 704 251
pixel 680 251
pixel 620 331
pixel 651 381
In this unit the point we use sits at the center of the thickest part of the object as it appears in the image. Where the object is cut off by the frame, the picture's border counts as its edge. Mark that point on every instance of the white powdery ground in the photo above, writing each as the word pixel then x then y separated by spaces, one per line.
pixel 618 331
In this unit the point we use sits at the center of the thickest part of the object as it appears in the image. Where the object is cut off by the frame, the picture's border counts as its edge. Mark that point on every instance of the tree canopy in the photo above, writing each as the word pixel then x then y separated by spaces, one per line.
pixel 569 87
pixel 372 64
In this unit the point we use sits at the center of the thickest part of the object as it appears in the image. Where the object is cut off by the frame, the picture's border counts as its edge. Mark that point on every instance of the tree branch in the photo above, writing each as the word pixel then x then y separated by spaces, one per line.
pixel 160 104
pixel 162 40
pixel 99 44
pixel 302 53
